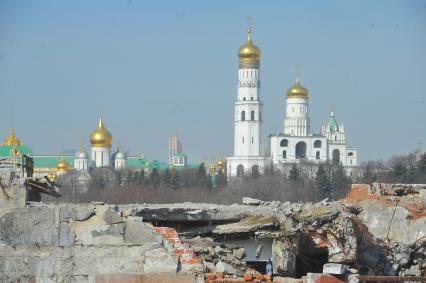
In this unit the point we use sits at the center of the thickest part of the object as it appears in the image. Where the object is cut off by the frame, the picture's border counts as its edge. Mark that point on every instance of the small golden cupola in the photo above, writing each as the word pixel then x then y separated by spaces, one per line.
pixel 11 139
pixel 249 51
pixel 52 175
pixel 62 165
pixel 297 90
pixel 101 137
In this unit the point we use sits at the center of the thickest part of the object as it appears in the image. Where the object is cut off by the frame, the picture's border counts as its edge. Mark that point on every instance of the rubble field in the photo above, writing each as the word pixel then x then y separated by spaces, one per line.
pixel 377 230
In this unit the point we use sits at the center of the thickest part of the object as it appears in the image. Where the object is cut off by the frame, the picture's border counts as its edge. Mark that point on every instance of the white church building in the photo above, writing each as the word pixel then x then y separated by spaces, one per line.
pixel 297 144
pixel 100 152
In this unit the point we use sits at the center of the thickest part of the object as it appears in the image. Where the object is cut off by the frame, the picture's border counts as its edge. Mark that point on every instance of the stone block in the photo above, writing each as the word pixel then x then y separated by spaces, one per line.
pixel 252 201
pixel 35 225
pixel 422 194
pixel 239 253
pixel 284 258
pixel 323 278
pixel 66 236
pixel 225 268
pixel 278 279
pixel 137 233
pixel 334 268
pixel 110 217
pixel 79 212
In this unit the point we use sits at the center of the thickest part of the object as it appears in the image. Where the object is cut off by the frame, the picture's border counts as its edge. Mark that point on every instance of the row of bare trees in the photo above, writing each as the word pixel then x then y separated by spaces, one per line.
pixel 299 183
pixel 410 168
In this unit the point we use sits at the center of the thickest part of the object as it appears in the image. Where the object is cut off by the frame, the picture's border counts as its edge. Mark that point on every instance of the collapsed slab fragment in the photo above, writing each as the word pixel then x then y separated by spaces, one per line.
pixel 74 243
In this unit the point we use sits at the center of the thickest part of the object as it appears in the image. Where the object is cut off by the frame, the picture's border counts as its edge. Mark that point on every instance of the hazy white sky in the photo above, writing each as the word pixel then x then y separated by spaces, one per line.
pixel 162 67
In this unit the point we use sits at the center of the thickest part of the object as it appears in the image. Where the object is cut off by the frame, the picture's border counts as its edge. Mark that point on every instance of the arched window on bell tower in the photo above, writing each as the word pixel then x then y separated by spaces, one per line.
pixel 243 115
pixel 252 115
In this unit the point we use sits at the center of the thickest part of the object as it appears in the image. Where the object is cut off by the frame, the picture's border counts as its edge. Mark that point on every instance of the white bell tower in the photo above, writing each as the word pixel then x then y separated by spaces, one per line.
pixel 297 120
pixel 247 159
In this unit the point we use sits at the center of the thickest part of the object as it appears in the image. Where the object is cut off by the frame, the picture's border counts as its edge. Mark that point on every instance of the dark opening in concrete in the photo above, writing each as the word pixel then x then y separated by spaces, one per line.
pixel 311 260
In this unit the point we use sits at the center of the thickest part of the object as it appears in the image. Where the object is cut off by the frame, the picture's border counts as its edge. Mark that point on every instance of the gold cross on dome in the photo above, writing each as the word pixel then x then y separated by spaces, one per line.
pixel 250 21
pixel 297 72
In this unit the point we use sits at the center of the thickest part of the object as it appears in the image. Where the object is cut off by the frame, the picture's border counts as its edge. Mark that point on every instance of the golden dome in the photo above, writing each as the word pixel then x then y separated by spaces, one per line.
pixel 249 51
pixel 62 165
pixel 220 164
pixel 11 139
pixel 101 137
pixel 51 176
pixel 297 90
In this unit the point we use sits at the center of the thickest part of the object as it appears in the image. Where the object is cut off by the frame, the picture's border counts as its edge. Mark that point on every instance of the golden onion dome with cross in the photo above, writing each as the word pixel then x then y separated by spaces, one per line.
pixel 11 139
pixel 297 90
pixel 249 51
pixel 101 137
pixel 62 165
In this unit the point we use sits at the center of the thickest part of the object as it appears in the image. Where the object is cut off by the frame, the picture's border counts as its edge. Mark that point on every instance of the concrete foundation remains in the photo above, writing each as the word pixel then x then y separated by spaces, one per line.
pixel 372 231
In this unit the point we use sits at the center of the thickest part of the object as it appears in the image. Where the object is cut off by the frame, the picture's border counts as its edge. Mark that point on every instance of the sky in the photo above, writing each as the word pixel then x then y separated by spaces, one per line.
pixel 158 68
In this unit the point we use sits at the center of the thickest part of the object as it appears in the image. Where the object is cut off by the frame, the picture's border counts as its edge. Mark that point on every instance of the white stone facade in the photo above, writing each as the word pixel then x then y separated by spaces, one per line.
pixel 120 160
pixel 81 161
pixel 239 166
pixel 247 159
pixel 179 160
pixel 297 121
pixel 298 145
pixel 101 156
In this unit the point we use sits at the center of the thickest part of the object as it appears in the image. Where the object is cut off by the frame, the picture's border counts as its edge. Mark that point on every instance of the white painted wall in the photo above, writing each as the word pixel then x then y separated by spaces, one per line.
pixel 101 156
pixel 81 164
pixel 120 163
pixel 297 121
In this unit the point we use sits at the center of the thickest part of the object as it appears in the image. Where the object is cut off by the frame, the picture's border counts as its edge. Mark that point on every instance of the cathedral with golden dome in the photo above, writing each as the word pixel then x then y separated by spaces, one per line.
pixel 297 144
pixel 100 156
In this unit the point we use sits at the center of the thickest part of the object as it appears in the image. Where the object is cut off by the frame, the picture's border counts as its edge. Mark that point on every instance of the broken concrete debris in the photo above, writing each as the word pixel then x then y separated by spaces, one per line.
pixel 337 240
pixel 335 268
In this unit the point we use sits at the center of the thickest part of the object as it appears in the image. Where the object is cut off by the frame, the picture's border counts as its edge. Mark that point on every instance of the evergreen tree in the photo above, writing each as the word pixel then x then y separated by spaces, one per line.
pixel 129 176
pixel 221 179
pixel 421 169
pixel 175 180
pixel 255 172
pixel 166 177
pixel 119 179
pixel 339 182
pixel 141 176
pixel 399 172
pixel 322 182
pixel 294 173
pixel 202 179
pixel 410 175
pixel 154 178
pixel 201 171
pixel 421 165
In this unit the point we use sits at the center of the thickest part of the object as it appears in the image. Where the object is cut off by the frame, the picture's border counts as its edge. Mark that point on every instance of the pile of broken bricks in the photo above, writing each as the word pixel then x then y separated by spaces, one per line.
pixel 187 260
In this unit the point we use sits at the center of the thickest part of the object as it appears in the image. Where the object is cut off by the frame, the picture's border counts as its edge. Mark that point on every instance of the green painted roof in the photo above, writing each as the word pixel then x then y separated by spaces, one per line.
pixel 180 154
pixel 333 123
pixel 137 162
pixel 6 150
pixel 51 160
